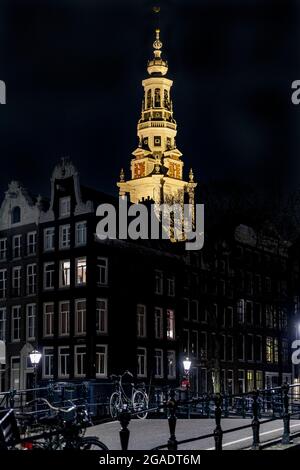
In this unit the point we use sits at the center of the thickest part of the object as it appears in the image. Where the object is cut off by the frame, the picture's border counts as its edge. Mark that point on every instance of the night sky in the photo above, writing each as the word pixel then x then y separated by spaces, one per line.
pixel 73 71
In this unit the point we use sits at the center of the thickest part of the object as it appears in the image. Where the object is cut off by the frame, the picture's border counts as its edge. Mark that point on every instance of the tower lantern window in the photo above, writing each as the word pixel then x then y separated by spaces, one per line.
pixel 157 98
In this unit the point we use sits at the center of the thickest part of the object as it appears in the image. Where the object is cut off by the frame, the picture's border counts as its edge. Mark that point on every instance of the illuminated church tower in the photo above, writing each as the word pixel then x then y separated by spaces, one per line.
pixel 157 168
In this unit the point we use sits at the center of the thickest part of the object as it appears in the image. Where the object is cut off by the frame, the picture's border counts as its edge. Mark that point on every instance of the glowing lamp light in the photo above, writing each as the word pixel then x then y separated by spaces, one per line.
pixel 187 364
pixel 35 357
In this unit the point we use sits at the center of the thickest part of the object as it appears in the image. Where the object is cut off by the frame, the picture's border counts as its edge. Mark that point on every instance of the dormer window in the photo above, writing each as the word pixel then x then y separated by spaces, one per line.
pixel 65 206
pixel 16 215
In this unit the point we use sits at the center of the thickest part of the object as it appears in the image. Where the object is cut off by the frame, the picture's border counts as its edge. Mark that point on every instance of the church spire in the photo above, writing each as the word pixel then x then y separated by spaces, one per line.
pixel 157 66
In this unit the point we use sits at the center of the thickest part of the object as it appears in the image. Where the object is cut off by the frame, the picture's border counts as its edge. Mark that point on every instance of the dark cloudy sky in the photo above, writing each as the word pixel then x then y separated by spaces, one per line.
pixel 73 70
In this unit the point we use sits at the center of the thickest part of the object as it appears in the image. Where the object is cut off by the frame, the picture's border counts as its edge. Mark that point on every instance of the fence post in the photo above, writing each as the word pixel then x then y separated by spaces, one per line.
pixel 124 418
pixel 172 442
pixel 286 415
pixel 255 421
pixel 218 433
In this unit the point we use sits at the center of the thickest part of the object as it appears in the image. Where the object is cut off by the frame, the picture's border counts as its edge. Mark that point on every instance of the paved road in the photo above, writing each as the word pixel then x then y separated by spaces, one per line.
pixel 149 433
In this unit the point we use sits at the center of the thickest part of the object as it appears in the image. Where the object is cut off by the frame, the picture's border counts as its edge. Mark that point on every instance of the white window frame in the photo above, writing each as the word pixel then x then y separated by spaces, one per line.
pixel 3 324
pixel 64 237
pixel 63 320
pixel 171 286
pixel 159 282
pixel 141 319
pixel 158 323
pixel 159 359
pixel 98 355
pixel 101 313
pixel 49 234
pixel 83 269
pixel 30 315
pixel 169 336
pixel 16 280
pixel 64 207
pixel 45 314
pixel 81 233
pixel 50 263
pixel 81 332
pixel 60 356
pixel 84 360
pixel 51 363
pixel 31 287
pixel 31 244
pixel 139 368
pixel 61 271
pixel 16 308
pixel 3 281
pixel 3 249
pixel 16 246
pixel 101 269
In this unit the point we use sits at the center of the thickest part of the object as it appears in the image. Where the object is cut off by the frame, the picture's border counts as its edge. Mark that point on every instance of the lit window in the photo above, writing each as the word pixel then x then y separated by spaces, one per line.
pixel 250 380
pixel 64 237
pixel 30 321
pixel 64 273
pixel 80 271
pixel 101 316
pixel 65 206
pixel 101 360
pixel 80 317
pixel 80 234
pixel 170 324
pixel 49 238
pixel 80 361
pixel 141 321
pixel 141 362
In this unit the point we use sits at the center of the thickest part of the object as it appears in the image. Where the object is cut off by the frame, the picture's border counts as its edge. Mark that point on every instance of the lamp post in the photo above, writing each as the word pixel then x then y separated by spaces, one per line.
pixel 186 366
pixel 35 357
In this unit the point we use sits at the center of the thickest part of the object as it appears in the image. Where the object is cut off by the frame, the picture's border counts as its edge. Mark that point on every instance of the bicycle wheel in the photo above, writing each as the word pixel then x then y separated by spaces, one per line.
pixel 140 403
pixel 115 405
pixel 91 443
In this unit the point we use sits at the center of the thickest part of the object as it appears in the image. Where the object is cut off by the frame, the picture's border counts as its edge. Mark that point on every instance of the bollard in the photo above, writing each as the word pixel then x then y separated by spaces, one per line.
pixel 124 418
pixel 172 442
pixel 255 421
pixel 218 433
pixel 286 415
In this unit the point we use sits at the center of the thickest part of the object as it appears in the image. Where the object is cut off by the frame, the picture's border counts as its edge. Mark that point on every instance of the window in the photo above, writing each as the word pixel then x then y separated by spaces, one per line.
pixel 141 321
pixel 16 215
pixel 258 348
pixel 80 317
pixel 271 350
pixel 64 318
pixel 249 316
pixel 101 316
pixel 186 309
pixel 241 310
pixel 102 271
pixel 203 315
pixel 158 282
pixel 249 347
pixel 49 238
pixel 16 246
pixel 250 380
pixel 80 271
pixel 64 237
pixel 31 279
pixel 241 381
pixel 47 362
pixel 16 281
pixel 171 286
pixel 157 141
pixel 203 345
pixel 170 324
pixel 65 207
pixel 48 275
pixel 194 310
pixel 158 318
pixel 171 365
pixel 31 243
pixel 80 361
pixel 257 283
pixel 257 314
pixel 3 249
pixel 64 273
pixel 80 233
pixel 30 321
pixel 259 379
pixel 241 348
pixel 64 361
pixel 48 319
pixel 229 317
pixel 15 322
pixel 222 347
pixel 159 363
pixel 101 360
pixel 141 362
pixel 194 343
pixel 2 324
pixel 229 348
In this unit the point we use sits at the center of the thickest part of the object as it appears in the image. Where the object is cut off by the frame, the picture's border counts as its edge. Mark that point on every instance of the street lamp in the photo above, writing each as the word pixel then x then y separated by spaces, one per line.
pixel 186 366
pixel 35 357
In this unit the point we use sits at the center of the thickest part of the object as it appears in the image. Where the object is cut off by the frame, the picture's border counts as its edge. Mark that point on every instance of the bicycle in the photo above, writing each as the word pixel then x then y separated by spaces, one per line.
pixel 67 434
pixel 119 399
